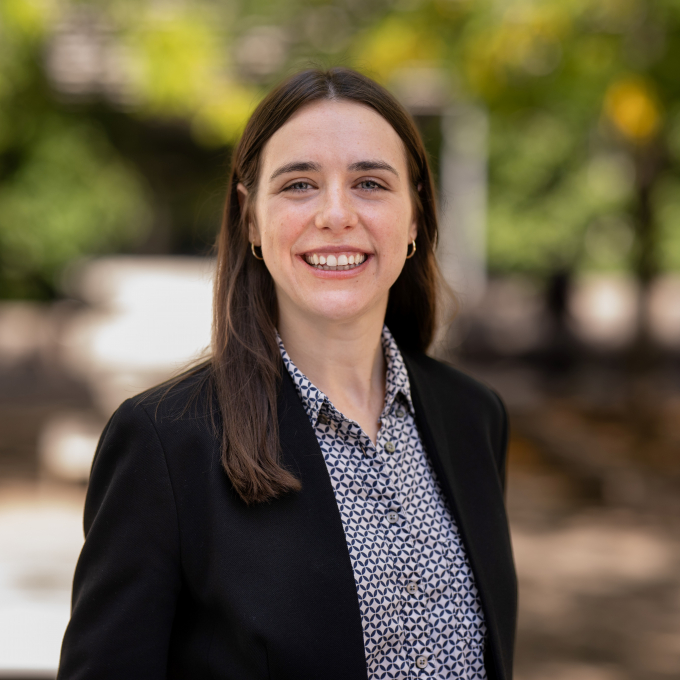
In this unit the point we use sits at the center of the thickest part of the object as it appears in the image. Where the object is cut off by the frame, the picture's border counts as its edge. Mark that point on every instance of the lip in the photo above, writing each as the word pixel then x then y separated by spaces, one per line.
pixel 334 249
pixel 338 273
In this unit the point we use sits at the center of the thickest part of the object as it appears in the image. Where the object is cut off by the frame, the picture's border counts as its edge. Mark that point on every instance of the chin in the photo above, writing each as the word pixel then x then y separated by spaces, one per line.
pixel 343 310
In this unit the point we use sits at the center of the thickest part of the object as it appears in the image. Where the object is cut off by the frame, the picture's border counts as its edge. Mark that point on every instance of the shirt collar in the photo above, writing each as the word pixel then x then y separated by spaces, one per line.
pixel 396 382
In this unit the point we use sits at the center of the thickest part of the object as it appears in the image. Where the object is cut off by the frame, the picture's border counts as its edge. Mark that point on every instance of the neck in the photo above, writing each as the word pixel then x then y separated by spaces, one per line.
pixel 343 359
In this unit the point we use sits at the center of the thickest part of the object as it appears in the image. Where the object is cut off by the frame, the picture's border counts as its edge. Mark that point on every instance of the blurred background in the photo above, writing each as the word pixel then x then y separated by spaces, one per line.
pixel 554 131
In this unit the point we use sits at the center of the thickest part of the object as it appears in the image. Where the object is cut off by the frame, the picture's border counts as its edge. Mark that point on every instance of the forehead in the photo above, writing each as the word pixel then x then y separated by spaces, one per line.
pixel 330 132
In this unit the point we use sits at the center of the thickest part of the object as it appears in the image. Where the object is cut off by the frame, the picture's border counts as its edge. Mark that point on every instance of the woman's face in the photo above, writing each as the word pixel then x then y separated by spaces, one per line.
pixel 333 212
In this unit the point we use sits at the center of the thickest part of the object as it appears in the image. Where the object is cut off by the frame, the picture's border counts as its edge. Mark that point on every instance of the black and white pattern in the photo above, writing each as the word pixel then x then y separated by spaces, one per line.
pixel 420 608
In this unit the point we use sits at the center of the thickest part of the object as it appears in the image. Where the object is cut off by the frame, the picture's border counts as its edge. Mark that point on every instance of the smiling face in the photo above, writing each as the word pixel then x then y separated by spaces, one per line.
pixel 333 212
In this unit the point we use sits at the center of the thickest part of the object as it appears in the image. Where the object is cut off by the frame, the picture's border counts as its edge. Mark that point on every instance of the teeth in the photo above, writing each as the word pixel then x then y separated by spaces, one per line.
pixel 341 262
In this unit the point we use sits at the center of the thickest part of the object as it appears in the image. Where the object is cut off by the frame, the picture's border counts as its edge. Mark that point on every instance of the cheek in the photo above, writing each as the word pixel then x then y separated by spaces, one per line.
pixel 395 228
pixel 280 227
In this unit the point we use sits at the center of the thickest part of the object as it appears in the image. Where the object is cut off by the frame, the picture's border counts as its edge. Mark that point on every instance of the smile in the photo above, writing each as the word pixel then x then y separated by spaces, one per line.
pixel 335 262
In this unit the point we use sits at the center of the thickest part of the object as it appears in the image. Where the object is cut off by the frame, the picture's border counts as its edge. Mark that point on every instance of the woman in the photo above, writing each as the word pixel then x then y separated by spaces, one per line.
pixel 321 500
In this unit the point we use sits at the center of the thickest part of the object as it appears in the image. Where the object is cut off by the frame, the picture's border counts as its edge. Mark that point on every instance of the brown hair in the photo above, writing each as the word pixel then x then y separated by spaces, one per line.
pixel 246 366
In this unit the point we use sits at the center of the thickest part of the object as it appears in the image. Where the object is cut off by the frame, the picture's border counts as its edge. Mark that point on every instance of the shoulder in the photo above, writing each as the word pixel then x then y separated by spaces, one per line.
pixel 189 395
pixel 162 419
pixel 459 407
pixel 448 385
pixel 186 399
pixel 150 435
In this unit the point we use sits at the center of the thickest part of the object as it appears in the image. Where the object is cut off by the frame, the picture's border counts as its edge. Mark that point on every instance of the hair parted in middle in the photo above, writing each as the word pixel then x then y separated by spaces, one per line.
pixel 246 365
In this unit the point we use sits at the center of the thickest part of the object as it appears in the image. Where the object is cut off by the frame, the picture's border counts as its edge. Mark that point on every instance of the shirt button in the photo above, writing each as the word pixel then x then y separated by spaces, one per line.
pixel 412 587
pixel 392 517
pixel 401 413
pixel 389 447
pixel 421 661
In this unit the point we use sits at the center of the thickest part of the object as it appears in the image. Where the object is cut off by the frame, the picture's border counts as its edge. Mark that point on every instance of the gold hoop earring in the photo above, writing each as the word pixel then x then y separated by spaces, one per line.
pixel 413 252
pixel 255 255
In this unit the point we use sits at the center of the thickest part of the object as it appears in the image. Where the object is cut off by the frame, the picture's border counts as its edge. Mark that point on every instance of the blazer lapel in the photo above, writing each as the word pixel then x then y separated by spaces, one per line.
pixel 457 440
pixel 338 634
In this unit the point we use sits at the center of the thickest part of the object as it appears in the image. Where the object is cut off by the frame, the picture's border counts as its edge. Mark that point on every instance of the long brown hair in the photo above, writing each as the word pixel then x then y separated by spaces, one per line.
pixel 246 366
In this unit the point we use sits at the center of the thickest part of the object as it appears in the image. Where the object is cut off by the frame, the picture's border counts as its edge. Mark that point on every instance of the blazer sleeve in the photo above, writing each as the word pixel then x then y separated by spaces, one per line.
pixel 127 579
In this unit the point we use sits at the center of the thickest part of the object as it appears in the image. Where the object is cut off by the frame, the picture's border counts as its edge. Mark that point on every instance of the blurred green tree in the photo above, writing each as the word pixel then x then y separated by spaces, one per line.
pixel 585 111
pixel 64 191
pixel 80 174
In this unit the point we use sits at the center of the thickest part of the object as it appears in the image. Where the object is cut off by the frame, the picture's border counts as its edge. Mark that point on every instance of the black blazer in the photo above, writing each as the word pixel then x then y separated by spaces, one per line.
pixel 178 578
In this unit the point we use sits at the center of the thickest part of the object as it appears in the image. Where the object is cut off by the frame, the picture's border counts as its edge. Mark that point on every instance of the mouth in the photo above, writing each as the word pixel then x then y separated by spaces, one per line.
pixel 335 261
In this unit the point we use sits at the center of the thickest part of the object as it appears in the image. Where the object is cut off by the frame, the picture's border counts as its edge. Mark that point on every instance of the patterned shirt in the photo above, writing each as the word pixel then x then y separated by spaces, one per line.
pixel 420 609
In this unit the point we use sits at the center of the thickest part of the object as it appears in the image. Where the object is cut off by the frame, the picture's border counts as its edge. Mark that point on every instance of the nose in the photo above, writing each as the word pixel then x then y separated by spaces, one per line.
pixel 336 209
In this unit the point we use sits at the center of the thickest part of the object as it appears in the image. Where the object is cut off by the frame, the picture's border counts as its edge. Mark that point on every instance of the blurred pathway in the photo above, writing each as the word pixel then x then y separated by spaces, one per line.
pixel 599 585
pixel 40 538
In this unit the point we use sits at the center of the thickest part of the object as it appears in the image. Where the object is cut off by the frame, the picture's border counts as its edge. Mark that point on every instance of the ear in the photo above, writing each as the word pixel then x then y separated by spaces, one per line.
pixel 253 234
pixel 413 230
pixel 242 194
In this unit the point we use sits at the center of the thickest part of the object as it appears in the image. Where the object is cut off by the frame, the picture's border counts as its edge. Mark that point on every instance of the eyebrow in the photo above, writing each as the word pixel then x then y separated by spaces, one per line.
pixel 372 165
pixel 309 166
pixel 296 166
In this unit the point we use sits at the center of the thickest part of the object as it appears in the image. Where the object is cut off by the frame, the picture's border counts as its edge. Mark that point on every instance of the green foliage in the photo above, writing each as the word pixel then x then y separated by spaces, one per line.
pixel 548 191
pixel 180 67
pixel 71 196
pixel 64 190
pixel 667 199
pixel 578 95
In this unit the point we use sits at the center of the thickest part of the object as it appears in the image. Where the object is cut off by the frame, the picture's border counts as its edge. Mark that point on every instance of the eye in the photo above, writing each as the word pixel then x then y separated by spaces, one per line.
pixel 370 185
pixel 298 187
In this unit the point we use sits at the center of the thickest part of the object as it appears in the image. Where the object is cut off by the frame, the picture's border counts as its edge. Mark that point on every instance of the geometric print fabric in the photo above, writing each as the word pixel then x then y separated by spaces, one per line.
pixel 420 609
